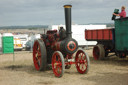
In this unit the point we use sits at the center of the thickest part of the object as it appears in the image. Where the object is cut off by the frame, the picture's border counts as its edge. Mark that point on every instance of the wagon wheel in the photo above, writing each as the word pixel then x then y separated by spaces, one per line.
pixel 58 65
pixel 39 55
pixel 82 62
pixel 98 52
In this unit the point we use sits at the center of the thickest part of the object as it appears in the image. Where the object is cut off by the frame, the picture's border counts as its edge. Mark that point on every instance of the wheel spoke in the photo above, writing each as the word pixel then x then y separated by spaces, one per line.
pixel 60 69
pixel 86 64
pixel 56 69
pixel 82 66
pixel 39 54
pixel 58 59
pixel 82 55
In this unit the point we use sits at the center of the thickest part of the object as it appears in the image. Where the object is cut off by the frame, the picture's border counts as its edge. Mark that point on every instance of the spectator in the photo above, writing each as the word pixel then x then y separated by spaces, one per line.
pixel 122 14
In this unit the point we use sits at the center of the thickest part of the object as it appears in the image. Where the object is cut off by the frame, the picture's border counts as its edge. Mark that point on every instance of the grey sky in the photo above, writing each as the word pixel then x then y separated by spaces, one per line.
pixel 47 12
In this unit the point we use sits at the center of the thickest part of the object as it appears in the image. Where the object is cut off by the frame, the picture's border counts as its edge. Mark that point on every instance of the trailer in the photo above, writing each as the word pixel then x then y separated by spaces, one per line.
pixel 110 40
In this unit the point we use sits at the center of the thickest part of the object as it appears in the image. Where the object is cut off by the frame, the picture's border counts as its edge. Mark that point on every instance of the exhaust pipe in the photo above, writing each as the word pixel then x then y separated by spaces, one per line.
pixel 68 20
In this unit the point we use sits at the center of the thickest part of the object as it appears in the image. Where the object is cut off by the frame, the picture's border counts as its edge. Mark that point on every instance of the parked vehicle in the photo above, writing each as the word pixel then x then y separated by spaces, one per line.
pixel 17 44
pixel 30 42
pixel 23 38
pixel 110 40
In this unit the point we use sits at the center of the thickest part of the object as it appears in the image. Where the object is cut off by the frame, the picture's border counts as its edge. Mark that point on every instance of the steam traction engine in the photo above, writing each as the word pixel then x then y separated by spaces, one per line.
pixel 59 48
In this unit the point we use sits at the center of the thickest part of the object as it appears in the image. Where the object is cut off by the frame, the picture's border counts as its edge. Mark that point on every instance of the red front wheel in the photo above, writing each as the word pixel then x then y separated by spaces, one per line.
pixel 82 62
pixel 58 64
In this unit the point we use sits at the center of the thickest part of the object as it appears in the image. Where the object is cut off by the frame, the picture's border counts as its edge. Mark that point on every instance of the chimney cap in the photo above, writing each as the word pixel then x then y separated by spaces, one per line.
pixel 67 6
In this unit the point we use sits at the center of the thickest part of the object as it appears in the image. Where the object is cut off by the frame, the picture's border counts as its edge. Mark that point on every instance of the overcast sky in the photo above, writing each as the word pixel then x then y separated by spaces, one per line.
pixel 48 12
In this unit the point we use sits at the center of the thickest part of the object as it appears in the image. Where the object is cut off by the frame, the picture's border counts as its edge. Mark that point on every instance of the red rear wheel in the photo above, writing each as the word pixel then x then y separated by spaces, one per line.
pixel 39 55
pixel 98 52
pixel 82 61
pixel 58 64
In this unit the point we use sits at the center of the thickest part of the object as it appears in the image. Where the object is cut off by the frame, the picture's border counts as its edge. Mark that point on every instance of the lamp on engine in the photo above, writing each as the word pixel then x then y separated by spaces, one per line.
pixel 57 48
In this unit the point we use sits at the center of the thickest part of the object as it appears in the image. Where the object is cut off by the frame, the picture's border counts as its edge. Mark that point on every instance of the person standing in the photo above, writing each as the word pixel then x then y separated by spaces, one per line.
pixel 122 14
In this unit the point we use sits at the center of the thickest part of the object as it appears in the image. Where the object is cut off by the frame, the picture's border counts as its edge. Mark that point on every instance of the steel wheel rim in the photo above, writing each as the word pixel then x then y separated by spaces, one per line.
pixel 96 53
pixel 57 64
pixel 81 62
pixel 37 55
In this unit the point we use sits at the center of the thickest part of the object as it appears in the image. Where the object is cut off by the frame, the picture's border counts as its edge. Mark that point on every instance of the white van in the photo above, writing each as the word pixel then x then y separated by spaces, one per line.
pixel 23 38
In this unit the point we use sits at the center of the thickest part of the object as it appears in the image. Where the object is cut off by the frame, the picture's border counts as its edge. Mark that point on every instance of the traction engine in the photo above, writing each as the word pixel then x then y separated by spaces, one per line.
pixel 60 49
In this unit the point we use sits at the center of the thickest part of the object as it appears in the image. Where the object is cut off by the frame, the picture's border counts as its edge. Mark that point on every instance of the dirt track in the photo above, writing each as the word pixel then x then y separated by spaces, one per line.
pixel 112 71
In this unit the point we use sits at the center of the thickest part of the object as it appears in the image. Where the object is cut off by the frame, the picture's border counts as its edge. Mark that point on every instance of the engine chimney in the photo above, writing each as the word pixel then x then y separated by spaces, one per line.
pixel 68 20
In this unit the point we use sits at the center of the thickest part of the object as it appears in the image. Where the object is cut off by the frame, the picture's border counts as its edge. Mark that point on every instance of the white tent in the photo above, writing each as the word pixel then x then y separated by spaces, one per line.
pixel 78 32
pixel 7 34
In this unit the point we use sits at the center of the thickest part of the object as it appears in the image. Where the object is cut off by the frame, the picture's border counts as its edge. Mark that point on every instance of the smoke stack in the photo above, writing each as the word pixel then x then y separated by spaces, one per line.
pixel 68 20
